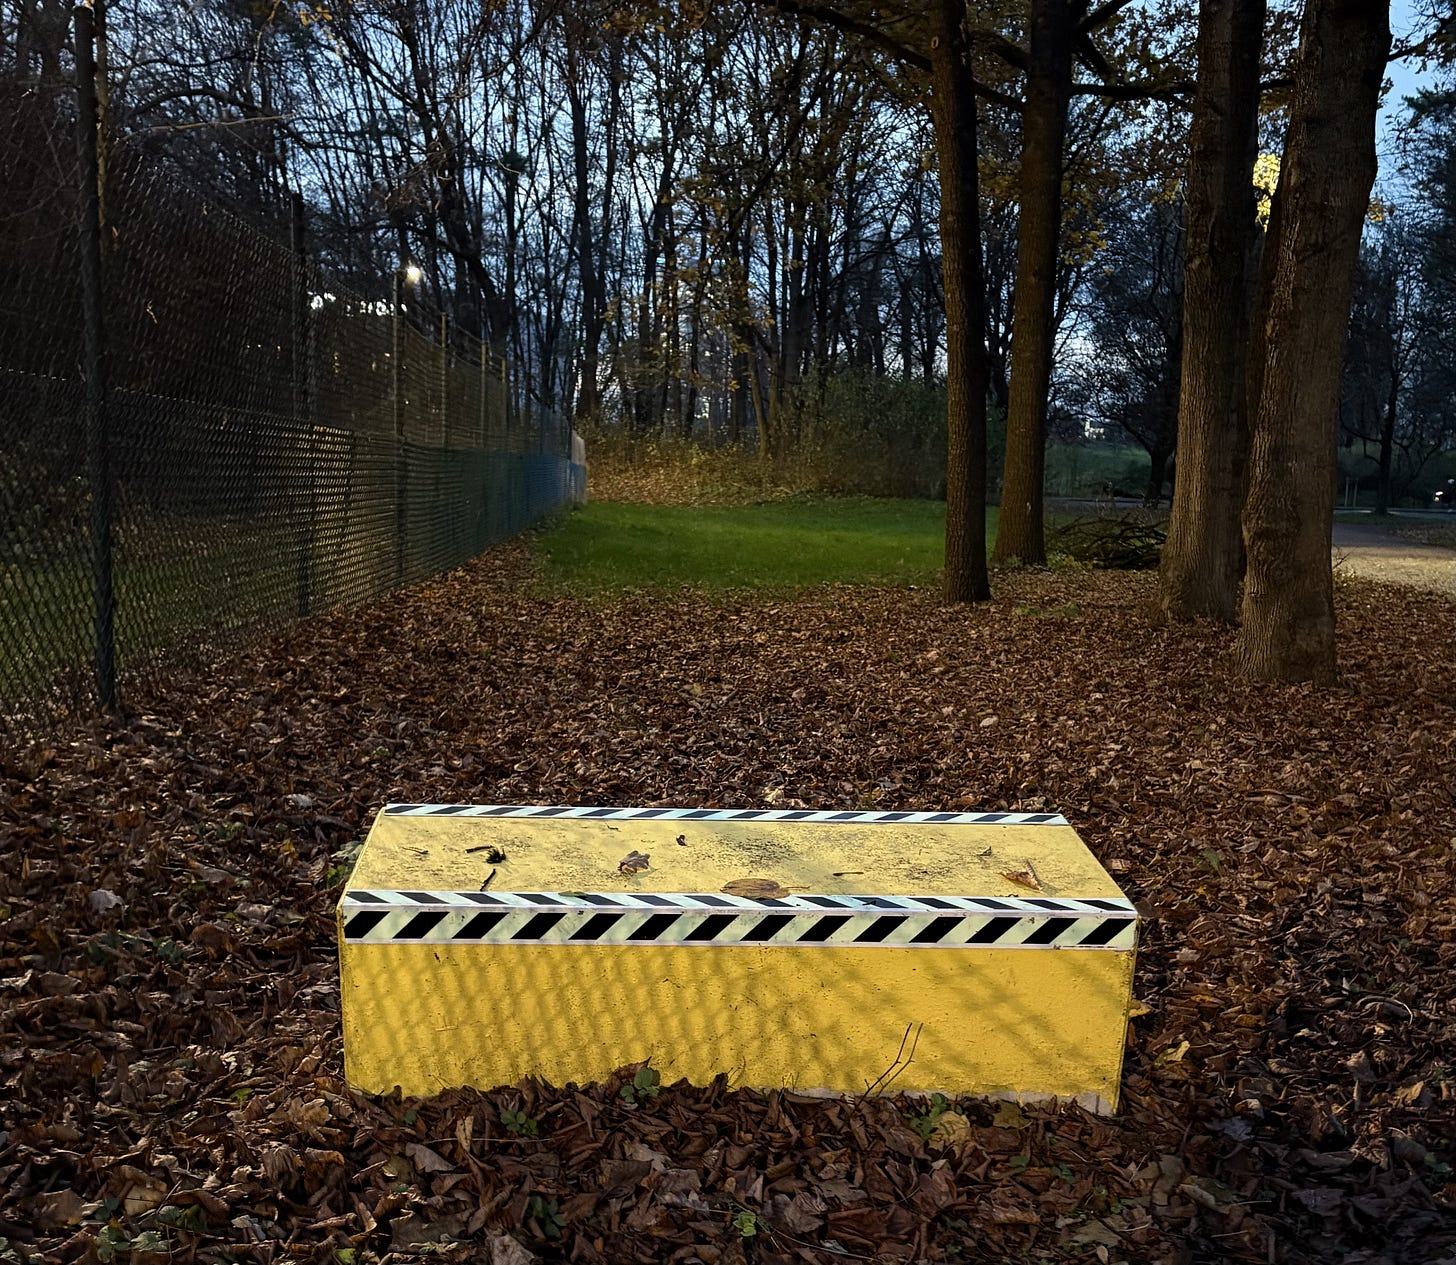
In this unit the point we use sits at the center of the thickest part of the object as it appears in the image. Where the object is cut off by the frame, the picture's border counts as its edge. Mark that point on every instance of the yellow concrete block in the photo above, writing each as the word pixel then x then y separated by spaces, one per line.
pixel 479 945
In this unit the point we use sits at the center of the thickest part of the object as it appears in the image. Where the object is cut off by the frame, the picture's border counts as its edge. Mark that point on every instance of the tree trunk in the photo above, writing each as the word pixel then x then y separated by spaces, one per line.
pixel 1203 557
pixel 1288 629
pixel 953 113
pixel 1021 534
pixel 593 301
pixel 1157 476
pixel 738 400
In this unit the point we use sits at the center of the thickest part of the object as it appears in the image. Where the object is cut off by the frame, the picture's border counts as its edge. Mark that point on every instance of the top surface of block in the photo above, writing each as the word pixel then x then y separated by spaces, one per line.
pixel 436 847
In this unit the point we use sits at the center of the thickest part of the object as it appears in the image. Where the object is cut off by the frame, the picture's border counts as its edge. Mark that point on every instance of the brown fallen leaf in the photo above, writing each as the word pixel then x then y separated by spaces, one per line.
pixel 1000 1210
pixel 61 1208
pixel 142 1192
pixel 633 863
pixel 505 1250
pixel 755 888
pixel 1092 1233
pixel 952 1132
pixel 1009 1115
pixel 311 702
pixel 427 1161
pixel 213 938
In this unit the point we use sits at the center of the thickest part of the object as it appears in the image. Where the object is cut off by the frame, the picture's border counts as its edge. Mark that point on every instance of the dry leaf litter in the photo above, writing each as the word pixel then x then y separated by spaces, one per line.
pixel 170 1064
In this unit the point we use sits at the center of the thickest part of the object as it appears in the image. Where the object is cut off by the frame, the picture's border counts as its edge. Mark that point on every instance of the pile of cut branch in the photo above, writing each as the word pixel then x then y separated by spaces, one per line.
pixel 1132 543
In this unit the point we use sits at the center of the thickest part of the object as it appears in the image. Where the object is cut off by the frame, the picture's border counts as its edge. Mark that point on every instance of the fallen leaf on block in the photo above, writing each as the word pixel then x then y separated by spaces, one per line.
pixel 1024 877
pixel 633 863
pixel 755 888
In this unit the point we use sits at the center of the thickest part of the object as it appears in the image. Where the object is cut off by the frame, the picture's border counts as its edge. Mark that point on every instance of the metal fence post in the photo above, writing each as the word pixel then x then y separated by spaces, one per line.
pixel 510 419
pixel 93 357
pixel 485 396
pixel 399 454
pixel 444 380
pixel 301 413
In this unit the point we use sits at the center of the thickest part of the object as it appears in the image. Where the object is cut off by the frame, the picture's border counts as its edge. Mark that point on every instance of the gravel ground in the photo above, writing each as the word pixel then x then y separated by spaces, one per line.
pixel 1374 553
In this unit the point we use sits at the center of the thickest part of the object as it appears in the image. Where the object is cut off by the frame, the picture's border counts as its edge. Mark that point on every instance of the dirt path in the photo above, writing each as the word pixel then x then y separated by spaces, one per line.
pixel 1366 550
pixel 1375 553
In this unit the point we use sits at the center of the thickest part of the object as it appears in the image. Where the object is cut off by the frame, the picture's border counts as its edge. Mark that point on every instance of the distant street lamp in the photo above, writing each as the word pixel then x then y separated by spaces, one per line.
pixel 410 274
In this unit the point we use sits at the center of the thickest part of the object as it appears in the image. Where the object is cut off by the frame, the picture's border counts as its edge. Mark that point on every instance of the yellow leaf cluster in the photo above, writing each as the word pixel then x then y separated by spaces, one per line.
pixel 1266 177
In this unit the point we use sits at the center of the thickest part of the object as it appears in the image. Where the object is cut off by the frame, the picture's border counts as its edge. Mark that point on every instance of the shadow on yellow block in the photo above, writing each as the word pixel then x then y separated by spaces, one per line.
pixel 998 1022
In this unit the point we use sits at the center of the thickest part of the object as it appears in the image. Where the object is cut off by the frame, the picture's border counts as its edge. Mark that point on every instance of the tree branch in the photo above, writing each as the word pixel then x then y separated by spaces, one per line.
pixel 840 21
pixel 186 94
pixel 1422 48
pixel 1101 15
pixel 901 52
pixel 1158 90
pixel 1007 50
pixel 996 96
pixel 1093 59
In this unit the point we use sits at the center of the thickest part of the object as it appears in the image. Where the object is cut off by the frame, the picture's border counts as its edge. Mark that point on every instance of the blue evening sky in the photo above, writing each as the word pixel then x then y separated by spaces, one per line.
pixel 1406 79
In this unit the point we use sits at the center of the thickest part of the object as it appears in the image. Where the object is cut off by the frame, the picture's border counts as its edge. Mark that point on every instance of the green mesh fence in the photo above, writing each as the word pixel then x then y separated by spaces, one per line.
pixel 275 443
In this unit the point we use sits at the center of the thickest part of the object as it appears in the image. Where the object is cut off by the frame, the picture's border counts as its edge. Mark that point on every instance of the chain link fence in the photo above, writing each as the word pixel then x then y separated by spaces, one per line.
pixel 250 441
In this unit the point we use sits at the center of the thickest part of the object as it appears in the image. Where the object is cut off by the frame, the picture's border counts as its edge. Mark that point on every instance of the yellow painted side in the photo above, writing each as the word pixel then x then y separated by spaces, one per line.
pixel 427 1017
pixel 430 853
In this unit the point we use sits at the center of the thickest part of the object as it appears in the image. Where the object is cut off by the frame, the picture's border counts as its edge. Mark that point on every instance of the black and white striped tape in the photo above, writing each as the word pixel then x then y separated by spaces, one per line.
pixel 722 814
pixel 392 917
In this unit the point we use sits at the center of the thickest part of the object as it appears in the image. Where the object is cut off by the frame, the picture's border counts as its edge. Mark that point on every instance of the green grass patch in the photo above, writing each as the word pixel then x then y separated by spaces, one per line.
pixel 1086 471
pixel 788 544
pixel 47 629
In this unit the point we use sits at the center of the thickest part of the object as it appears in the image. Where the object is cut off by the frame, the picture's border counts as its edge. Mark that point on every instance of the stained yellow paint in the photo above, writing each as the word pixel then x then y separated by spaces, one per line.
pixel 1021 1022
pixel 554 855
